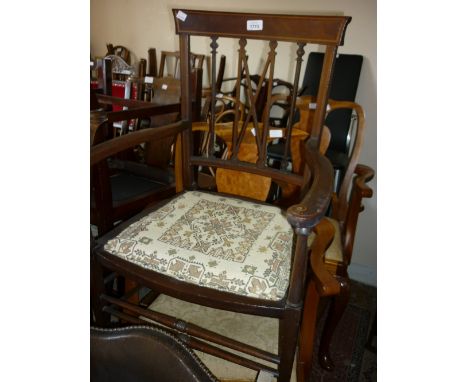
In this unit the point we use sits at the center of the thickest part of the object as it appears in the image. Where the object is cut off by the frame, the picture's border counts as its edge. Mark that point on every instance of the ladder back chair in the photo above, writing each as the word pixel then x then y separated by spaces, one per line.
pixel 170 63
pixel 218 250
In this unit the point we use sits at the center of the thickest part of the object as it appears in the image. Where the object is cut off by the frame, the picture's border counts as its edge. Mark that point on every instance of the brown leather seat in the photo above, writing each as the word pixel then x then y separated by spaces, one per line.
pixel 143 354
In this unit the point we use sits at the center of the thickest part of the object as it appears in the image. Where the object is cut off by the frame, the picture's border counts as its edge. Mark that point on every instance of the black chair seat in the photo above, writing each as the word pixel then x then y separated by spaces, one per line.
pixel 143 354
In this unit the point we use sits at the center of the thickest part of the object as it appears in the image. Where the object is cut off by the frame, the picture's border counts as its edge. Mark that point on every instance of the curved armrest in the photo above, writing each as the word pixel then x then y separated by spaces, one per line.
pixel 326 283
pixel 359 190
pixel 104 99
pixel 116 145
pixel 313 206
pixel 156 173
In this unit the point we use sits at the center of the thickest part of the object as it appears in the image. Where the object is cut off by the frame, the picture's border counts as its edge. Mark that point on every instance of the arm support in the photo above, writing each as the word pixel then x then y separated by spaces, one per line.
pixel 313 206
pixel 326 284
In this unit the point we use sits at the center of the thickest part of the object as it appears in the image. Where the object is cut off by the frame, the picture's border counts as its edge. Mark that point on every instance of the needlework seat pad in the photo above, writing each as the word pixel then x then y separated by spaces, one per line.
pixel 213 241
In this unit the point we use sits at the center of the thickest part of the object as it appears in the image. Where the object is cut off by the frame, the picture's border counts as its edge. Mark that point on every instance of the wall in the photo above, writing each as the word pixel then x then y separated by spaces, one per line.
pixel 143 24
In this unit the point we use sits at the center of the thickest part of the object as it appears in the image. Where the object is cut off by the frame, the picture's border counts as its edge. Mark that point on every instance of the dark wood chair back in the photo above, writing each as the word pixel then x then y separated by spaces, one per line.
pixel 170 63
pixel 255 129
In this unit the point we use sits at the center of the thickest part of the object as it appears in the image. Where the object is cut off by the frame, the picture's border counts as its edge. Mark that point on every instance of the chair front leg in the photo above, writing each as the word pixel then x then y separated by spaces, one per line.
pixel 288 331
pixel 337 308
pixel 308 326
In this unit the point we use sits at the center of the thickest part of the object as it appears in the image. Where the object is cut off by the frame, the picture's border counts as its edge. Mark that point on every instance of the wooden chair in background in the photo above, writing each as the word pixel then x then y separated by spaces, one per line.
pixel 143 173
pixel 169 64
pixel 147 70
pixel 120 51
pixel 217 250
pixel 125 184
pixel 332 243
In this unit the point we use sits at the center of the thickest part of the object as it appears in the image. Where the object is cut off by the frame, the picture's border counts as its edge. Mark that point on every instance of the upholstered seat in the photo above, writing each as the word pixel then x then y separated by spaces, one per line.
pixel 213 241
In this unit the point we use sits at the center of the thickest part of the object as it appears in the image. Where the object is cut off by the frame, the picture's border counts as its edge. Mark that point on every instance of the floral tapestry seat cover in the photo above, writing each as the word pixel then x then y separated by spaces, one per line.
pixel 213 241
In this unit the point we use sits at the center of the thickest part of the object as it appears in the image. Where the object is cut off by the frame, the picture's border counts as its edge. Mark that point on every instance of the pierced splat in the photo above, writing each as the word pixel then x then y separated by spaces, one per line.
pixel 261 133
pixel 300 53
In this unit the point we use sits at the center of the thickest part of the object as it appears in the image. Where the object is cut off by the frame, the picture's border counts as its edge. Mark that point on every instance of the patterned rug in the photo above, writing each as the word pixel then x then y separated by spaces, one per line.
pixel 347 348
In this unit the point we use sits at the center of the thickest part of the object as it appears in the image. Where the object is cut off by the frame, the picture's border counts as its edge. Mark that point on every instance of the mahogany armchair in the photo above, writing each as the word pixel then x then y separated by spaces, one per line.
pixel 218 250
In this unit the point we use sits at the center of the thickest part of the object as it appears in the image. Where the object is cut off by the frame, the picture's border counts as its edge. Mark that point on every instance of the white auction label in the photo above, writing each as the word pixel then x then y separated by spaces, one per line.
pixel 276 133
pixel 254 25
pixel 163 86
pixel 181 15
pixel 149 80
pixel 313 106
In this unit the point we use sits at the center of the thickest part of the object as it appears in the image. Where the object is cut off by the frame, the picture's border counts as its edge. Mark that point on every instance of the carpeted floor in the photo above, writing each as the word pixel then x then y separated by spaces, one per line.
pixel 353 346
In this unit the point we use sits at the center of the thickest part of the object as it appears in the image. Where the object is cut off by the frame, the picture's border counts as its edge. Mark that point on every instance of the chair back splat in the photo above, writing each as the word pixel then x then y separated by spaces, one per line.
pixel 327 31
pixel 228 249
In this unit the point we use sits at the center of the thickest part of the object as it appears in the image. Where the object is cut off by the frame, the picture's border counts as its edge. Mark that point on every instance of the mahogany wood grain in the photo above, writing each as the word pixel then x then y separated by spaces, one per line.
pixel 324 282
pixel 307 336
pixel 326 30
pixel 196 344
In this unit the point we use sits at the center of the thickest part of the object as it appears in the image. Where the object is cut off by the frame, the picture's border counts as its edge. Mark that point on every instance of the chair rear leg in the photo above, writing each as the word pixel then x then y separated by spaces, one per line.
pixel 288 334
pixel 337 308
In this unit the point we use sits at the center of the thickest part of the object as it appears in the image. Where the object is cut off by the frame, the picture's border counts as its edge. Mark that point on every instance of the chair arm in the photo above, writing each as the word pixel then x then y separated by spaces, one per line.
pixel 143 112
pixel 327 285
pixel 359 190
pixel 104 99
pixel 116 145
pixel 313 206
pixel 155 173
pixel 364 175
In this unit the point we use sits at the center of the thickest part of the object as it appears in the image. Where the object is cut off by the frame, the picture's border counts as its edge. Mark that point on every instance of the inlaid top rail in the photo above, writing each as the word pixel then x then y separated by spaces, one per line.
pixel 328 30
